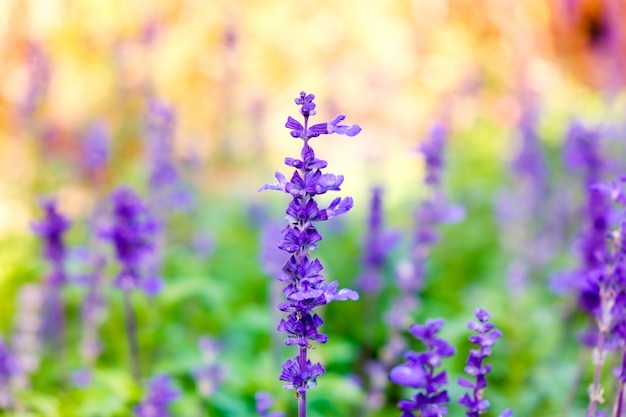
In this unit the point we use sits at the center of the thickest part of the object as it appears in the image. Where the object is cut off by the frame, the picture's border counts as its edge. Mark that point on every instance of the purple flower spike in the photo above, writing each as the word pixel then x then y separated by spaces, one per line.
pixel 132 234
pixel 96 146
pixel 378 243
pixel 419 372
pixel 8 369
pixel 51 229
pixel 485 337
pixel 305 287
pixel 432 149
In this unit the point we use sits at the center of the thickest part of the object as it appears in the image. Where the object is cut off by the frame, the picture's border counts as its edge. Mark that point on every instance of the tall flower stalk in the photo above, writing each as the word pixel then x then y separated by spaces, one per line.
pixel 305 288
pixel 485 336
pixel 132 234
pixel 51 229
pixel 610 311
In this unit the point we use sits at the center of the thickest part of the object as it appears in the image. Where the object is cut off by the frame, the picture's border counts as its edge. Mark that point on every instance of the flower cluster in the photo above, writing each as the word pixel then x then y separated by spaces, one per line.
pixel 485 337
pixel 305 287
pixel 419 371
pixel 132 234
pixel 161 392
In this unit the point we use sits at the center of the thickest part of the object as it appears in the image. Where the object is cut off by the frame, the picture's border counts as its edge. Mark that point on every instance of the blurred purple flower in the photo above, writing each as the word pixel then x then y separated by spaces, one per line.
pixel 161 392
pixel 8 369
pixel 52 229
pixel 305 286
pixel 263 403
pixel 168 192
pixel 432 150
pixel 378 243
pixel 432 212
pixel 39 69
pixel 26 340
pixel 96 146
pixel 132 233
pixel 582 152
pixel 529 164
pixel 419 371
pixel 210 374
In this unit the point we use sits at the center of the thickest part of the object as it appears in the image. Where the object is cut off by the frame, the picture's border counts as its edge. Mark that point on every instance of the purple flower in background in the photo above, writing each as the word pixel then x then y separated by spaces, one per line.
pixel 376 247
pixel 485 337
pixel 420 372
pixel 263 403
pixel 166 186
pixel 96 146
pixel 161 392
pixel 38 69
pixel 132 233
pixel 210 373
pixel 432 150
pixel 582 152
pixel 26 340
pixel 52 229
pixel 305 286
pixel 432 212
pixel 8 369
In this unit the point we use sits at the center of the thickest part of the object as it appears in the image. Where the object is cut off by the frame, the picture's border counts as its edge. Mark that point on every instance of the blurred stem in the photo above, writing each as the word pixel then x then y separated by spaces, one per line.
pixel 302 396
pixel 619 401
pixel 598 353
pixel 131 335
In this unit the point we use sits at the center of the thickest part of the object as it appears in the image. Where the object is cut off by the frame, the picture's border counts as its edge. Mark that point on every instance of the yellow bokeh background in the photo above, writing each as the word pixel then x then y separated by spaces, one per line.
pixel 232 68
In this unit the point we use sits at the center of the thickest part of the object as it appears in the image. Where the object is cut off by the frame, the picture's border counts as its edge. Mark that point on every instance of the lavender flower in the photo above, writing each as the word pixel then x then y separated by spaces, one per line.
pixel 419 371
pixel 166 186
pixel 582 152
pixel 52 229
pixel 132 234
pixel 486 335
pixel 96 147
pixel 26 338
pixel 8 368
pixel 38 68
pixel 210 374
pixel 432 212
pixel 263 403
pixel 305 286
pixel 377 245
pixel 161 392
pixel 609 283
